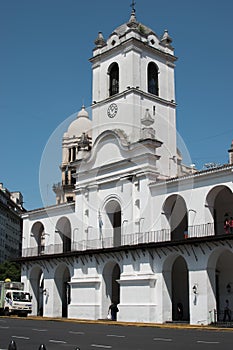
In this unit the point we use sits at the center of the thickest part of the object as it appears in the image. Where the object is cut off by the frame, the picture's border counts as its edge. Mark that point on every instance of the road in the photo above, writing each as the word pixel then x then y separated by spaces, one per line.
pixel 30 334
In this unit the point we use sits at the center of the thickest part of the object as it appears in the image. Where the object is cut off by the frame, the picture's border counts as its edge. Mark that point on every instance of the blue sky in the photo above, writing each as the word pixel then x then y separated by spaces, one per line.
pixel 45 75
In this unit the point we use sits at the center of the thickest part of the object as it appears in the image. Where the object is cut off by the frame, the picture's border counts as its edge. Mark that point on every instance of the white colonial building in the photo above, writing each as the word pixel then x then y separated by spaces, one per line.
pixel 132 224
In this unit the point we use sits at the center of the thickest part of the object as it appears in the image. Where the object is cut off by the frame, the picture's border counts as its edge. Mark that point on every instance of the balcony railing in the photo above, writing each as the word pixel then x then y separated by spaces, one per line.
pixel 197 231
pixel 127 239
pixel 164 235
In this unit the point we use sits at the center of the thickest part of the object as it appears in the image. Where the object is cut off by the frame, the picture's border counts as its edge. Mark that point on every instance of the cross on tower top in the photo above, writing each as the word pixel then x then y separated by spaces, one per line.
pixel 133 5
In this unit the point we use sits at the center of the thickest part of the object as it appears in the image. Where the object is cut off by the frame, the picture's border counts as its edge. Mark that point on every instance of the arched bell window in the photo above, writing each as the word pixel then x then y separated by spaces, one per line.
pixel 153 81
pixel 113 79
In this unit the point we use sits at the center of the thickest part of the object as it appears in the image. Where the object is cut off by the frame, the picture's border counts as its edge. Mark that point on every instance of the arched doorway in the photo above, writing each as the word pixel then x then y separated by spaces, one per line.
pixel 180 290
pixel 113 214
pixel 219 202
pixel 176 214
pixel 37 285
pixel 63 229
pixel 38 234
pixel 224 284
pixel 111 287
pixel 62 293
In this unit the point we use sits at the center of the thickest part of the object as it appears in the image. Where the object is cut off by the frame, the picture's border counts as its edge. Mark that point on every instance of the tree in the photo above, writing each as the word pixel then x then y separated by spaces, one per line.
pixel 11 270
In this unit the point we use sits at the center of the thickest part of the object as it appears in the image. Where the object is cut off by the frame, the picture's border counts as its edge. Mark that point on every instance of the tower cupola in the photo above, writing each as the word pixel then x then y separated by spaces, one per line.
pixel 76 144
pixel 82 124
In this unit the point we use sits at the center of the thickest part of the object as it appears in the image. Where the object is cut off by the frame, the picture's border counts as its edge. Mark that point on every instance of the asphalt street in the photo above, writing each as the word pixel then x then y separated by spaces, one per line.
pixel 30 334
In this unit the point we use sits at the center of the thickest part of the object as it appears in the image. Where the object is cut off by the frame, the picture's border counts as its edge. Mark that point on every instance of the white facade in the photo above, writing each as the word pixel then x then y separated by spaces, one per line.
pixel 136 227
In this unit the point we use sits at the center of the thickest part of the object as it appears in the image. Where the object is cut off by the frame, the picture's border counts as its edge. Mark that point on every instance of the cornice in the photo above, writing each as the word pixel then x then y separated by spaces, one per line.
pixel 133 90
pixel 137 44
pixel 200 174
pixel 49 209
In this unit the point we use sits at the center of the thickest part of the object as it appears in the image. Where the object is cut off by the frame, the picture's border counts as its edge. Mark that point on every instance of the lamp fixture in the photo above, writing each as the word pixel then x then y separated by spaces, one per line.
pixel 228 287
pixel 195 289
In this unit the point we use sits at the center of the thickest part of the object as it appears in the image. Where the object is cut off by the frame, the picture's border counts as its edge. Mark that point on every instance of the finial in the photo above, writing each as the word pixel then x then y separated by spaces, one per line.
pixel 147 120
pixel 133 21
pixel 133 6
pixel 166 39
pixel 100 41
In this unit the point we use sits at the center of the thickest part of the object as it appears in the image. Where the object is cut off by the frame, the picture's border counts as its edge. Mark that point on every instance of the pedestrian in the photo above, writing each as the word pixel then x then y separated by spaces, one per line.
pixel 231 224
pixel 180 311
pixel 227 312
pixel 113 309
pixel 226 226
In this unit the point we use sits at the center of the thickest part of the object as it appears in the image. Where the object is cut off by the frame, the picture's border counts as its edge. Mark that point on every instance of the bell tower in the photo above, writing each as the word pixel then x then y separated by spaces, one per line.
pixel 133 88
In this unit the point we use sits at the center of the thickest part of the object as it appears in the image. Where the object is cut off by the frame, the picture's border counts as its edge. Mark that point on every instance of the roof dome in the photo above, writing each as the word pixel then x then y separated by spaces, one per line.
pixel 134 24
pixel 82 124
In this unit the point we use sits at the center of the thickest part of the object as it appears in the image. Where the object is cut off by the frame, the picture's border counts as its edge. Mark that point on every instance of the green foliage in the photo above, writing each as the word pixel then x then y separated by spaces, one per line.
pixel 141 29
pixel 10 270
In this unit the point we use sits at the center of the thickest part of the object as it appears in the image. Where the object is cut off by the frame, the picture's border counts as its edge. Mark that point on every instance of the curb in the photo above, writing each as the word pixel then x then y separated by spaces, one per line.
pixel 126 324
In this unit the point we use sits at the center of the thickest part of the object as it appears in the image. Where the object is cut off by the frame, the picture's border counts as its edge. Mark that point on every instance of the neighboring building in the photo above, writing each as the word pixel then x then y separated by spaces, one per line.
pixel 137 227
pixel 11 208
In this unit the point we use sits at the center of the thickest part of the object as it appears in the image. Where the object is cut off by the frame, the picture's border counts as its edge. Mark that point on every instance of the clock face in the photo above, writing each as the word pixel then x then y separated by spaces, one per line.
pixel 112 110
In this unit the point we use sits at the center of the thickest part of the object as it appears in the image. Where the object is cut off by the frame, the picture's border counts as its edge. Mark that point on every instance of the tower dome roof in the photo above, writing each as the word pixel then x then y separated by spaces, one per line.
pixel 133 24
pixel 82 124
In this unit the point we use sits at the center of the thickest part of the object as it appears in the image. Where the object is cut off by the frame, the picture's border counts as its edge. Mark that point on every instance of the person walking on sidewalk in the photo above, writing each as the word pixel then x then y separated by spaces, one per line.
pixel 113 310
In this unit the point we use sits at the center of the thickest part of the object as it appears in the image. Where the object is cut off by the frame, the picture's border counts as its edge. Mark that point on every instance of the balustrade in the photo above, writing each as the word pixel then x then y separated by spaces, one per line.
pixel 163 235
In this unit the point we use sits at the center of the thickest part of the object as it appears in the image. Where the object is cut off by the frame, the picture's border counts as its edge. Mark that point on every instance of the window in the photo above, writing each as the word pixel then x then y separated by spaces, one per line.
pixel 73 154
pixel 69 158
pixel 73 180
pixel 114 79
pixel 66 176
pixel 152 76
